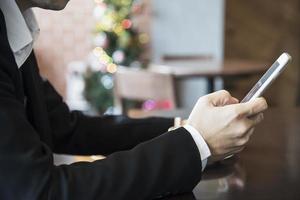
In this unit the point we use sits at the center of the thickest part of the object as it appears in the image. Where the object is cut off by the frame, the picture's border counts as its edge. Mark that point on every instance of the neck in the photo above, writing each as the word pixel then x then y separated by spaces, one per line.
pixel 23 4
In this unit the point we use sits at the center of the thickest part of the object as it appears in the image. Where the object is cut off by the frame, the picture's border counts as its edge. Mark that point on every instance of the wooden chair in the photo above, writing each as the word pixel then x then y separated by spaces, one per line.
pixel 136 84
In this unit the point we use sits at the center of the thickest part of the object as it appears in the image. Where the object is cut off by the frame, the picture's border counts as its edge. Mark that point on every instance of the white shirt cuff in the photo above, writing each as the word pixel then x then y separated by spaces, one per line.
pixel 201 144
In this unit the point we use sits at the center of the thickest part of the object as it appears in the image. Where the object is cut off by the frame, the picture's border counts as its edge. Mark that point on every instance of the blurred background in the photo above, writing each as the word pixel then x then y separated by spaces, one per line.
pixel 113 56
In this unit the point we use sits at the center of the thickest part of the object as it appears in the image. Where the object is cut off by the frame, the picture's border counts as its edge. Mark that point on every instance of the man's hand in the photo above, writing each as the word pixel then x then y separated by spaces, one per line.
pixel 225 125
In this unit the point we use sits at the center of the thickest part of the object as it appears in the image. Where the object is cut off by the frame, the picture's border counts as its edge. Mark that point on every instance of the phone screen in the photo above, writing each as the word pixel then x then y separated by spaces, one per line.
pixel 260 83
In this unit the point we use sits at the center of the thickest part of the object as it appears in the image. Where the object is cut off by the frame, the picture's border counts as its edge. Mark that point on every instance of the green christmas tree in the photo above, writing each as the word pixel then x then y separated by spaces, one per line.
pixel 117 42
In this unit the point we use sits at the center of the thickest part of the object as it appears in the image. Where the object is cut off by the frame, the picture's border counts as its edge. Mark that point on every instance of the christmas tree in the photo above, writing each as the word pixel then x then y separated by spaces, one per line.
pixel 117 42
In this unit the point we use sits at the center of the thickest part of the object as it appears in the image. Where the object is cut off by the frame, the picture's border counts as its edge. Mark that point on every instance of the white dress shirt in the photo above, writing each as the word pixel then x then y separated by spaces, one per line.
pixel 22 32
pixel 22 29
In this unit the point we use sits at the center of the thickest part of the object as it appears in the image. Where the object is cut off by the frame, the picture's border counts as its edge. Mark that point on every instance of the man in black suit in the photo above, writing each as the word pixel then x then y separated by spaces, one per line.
pixel 141 163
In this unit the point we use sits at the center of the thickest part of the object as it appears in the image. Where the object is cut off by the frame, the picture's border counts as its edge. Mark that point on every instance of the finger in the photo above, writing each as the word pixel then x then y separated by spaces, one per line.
pixel 247 125
pixel 236 100
pixel 233 151
pixel 221 98
pixel 230 101
pixel 253 121
pixel 256 119
pixel 243 140
pixel 250 133
pixel 238 150
pixel 251 108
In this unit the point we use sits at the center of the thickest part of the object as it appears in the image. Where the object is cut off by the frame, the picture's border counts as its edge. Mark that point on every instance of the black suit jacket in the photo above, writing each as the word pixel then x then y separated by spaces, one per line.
pixel 142 162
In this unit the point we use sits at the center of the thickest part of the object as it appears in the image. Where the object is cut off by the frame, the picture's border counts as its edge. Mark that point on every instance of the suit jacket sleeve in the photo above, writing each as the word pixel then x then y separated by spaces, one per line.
pixel 75 133
pixel 163 165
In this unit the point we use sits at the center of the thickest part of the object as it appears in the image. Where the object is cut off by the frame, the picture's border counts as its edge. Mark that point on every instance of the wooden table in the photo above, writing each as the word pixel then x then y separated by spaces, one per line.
pixel 268 169
pixel 210 69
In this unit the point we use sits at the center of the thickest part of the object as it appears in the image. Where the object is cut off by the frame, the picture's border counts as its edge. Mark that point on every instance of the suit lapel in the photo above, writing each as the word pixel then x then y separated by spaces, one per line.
pixel 28 87
pixel 9 57
pixel 36 107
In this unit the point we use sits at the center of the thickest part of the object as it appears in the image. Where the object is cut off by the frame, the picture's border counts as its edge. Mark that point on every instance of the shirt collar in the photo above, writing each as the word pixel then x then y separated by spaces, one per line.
pixel 22 29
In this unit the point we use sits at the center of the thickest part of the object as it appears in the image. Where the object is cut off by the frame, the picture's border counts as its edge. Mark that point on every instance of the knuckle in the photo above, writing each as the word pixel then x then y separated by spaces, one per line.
pixel 236 114
pixel 225 92
pixel 258 120
pixel 261 104
pixel 238 143
pixel 202 100
pixel 244 127
pixel 240 133
pixel 242 141
pixel 251 110
pixel 240 150
pixel 262 117
pixel 264 102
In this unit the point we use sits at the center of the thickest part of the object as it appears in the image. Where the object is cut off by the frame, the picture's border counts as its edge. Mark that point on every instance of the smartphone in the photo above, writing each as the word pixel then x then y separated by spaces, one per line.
pixel 267 79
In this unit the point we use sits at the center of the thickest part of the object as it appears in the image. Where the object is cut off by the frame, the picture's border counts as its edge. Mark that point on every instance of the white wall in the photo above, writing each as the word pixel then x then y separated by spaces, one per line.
pixel 188 27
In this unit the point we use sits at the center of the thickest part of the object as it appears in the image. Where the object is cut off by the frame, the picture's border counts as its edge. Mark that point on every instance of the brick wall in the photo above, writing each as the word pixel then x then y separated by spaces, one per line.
pixel 65 37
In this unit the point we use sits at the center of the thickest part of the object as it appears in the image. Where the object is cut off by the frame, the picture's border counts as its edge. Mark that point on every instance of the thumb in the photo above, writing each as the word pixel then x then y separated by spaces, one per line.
pixel 221 98
pixel 232 100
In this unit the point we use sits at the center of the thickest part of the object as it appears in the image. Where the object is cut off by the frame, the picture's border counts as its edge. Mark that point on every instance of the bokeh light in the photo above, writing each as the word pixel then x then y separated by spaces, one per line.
pixel 111 68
